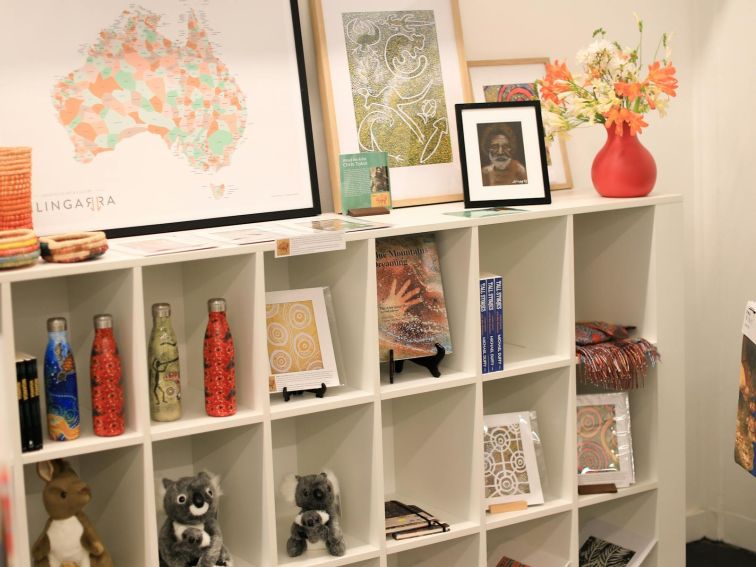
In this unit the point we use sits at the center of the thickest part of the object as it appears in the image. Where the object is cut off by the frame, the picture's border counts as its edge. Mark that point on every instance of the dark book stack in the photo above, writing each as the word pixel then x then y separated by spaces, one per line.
pixel 30 414
pixel 404 521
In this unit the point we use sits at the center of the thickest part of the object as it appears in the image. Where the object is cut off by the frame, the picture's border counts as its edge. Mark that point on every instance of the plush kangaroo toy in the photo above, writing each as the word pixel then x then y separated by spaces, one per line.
pixel 69 539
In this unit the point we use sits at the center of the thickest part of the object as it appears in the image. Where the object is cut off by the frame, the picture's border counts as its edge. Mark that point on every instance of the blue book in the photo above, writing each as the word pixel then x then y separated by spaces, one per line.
pixel 498 329
pixel 490 315
pixel 483 328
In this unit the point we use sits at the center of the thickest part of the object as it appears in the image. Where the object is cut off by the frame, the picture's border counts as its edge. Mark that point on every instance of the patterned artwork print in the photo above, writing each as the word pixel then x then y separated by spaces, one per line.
pixel 293 344
pixel 507 562
pixel 745 431
pixel 397 87
pixel 507 93
pixel 596 552
pixel 135 81
pixel 505 470
pixel 597 439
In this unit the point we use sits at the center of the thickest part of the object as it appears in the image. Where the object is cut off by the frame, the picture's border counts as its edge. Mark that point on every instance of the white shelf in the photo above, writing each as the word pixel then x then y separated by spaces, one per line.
pixel 419 439
pixel 638 488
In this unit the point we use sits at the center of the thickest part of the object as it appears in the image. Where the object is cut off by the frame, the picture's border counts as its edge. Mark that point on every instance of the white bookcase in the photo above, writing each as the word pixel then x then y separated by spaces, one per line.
pixel 419 439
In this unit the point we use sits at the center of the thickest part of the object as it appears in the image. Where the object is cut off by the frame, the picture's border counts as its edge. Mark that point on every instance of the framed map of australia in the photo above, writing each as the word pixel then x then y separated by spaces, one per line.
pixel 157 116
pixel 390 74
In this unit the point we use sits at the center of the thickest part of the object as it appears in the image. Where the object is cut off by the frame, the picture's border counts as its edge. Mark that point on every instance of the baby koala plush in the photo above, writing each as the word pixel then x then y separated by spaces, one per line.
pixel 191 535
pixel 319 518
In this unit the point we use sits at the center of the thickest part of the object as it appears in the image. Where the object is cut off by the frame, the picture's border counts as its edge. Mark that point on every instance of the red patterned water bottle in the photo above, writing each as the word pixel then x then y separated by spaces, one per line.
pixel 105 374
pixel 220 371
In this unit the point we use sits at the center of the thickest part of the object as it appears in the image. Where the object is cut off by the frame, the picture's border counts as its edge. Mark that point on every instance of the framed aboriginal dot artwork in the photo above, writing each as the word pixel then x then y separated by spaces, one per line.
pixel 300 347
pixel 510 468
pixel 148 117
pixel 604 442
pixel 390 74
pixel 507 80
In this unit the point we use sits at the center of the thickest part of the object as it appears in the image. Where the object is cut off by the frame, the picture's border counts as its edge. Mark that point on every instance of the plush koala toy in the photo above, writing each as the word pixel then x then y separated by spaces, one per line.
pixel 319 517
pixel 191 535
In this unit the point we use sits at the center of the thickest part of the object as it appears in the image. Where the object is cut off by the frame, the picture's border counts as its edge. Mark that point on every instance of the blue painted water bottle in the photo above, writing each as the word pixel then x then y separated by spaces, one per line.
pixel 63 423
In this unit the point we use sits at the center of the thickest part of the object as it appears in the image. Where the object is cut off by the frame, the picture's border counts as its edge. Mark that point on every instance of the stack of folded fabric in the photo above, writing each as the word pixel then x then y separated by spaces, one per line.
pixel 73 247
pixel 18 247
pixel 609 358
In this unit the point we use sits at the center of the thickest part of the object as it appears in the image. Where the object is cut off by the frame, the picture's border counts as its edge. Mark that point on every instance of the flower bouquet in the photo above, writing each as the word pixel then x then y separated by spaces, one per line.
pixel 611 91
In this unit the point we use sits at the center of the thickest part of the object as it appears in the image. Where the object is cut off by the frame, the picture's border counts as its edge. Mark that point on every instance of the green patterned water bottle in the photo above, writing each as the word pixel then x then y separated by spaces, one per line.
pixel 163 357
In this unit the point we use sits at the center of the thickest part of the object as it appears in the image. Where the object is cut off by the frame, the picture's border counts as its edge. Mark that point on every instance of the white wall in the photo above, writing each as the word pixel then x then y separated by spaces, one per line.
pixel 725 272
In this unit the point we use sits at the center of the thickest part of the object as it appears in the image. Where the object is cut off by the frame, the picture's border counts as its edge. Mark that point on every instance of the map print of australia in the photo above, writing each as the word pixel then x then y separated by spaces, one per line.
pixel 134 81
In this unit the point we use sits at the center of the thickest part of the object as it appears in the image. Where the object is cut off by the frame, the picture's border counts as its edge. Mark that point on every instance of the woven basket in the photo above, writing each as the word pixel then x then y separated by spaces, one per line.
pixel 15 188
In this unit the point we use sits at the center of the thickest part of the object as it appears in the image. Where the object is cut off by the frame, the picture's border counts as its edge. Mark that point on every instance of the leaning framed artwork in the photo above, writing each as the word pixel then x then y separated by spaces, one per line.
pixel 159 116
pixel 503 155
pixel 506 80
pixel 390 73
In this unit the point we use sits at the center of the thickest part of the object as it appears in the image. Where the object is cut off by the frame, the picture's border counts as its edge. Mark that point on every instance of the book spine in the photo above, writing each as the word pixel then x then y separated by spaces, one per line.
pixel 36 409
pixel 22 388
pixel 499 317
pixel 483 328
pixel 491 335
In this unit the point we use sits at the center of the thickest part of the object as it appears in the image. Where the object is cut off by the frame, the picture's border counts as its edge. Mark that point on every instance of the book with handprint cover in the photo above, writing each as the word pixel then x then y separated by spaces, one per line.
pixel 411 308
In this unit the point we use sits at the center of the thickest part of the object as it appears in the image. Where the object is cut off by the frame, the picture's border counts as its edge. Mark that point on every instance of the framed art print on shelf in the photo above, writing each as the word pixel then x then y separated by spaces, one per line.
pixel 390 73
pixel 503 156
pixel 161 116
pixel 506 80
pixel 604 441
pixel 300 346
pixel 510 467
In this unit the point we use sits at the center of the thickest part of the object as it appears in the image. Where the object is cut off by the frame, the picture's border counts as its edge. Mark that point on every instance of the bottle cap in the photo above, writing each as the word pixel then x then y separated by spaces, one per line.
pixel 103 321
pixel 56 324
pixel 161 309
pixel 216 304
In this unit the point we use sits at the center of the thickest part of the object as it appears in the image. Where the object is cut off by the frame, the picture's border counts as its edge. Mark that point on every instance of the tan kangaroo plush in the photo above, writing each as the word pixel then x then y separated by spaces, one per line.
pixel 69 539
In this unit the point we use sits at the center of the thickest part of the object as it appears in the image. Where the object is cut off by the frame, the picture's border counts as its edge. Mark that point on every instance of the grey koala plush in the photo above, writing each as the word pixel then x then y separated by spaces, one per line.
pixel 191 535
pixel 320 515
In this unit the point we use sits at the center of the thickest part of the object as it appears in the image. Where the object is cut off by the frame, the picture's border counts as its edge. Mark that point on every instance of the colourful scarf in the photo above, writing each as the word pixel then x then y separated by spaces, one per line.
pixel 610 359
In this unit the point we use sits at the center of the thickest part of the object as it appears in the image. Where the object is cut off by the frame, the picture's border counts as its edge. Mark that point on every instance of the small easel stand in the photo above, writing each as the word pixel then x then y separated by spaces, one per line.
pixel 515 506
pixel 608 488
pixel 430 362
pixel 319 392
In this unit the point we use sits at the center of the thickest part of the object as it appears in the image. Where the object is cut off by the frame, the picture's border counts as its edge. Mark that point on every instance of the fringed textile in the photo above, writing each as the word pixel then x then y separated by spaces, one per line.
pixel 608 358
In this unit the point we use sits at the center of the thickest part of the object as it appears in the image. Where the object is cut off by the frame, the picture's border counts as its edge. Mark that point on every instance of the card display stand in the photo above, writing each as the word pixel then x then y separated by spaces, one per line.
pixel 430 362
pixel 416 439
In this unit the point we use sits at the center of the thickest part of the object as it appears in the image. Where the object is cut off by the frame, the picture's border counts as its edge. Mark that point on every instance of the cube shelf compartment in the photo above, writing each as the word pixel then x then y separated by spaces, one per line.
pixel 418 440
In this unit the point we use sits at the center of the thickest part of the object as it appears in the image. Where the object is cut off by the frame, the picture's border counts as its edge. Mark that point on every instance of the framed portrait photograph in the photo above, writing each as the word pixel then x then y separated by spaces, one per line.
pixel 159 116
pixel 507 80
pixel 390 73
pixel 503 154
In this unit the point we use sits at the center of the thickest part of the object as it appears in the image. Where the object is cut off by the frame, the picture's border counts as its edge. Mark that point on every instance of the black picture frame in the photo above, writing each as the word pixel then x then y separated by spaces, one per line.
pixel 515 133
pixel 315 209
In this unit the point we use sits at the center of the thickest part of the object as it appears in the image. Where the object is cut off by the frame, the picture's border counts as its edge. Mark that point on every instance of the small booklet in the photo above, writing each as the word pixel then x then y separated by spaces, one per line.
pixel 364 180
pixel 160 244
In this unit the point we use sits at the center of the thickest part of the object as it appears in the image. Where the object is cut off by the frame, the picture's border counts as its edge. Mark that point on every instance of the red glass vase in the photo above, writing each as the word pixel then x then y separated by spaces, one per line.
pixel 623 167
pixel 218 355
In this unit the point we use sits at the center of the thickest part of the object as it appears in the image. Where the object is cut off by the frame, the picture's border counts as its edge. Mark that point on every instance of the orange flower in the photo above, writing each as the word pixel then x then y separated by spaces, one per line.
pixel 663 77
pixel 556 81
pixel 619 116
pixel 630 91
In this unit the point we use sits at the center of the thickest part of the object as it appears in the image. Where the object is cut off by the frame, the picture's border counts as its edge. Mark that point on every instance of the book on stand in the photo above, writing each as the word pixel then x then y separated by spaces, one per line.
pixel 405 521
pixel 412 315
